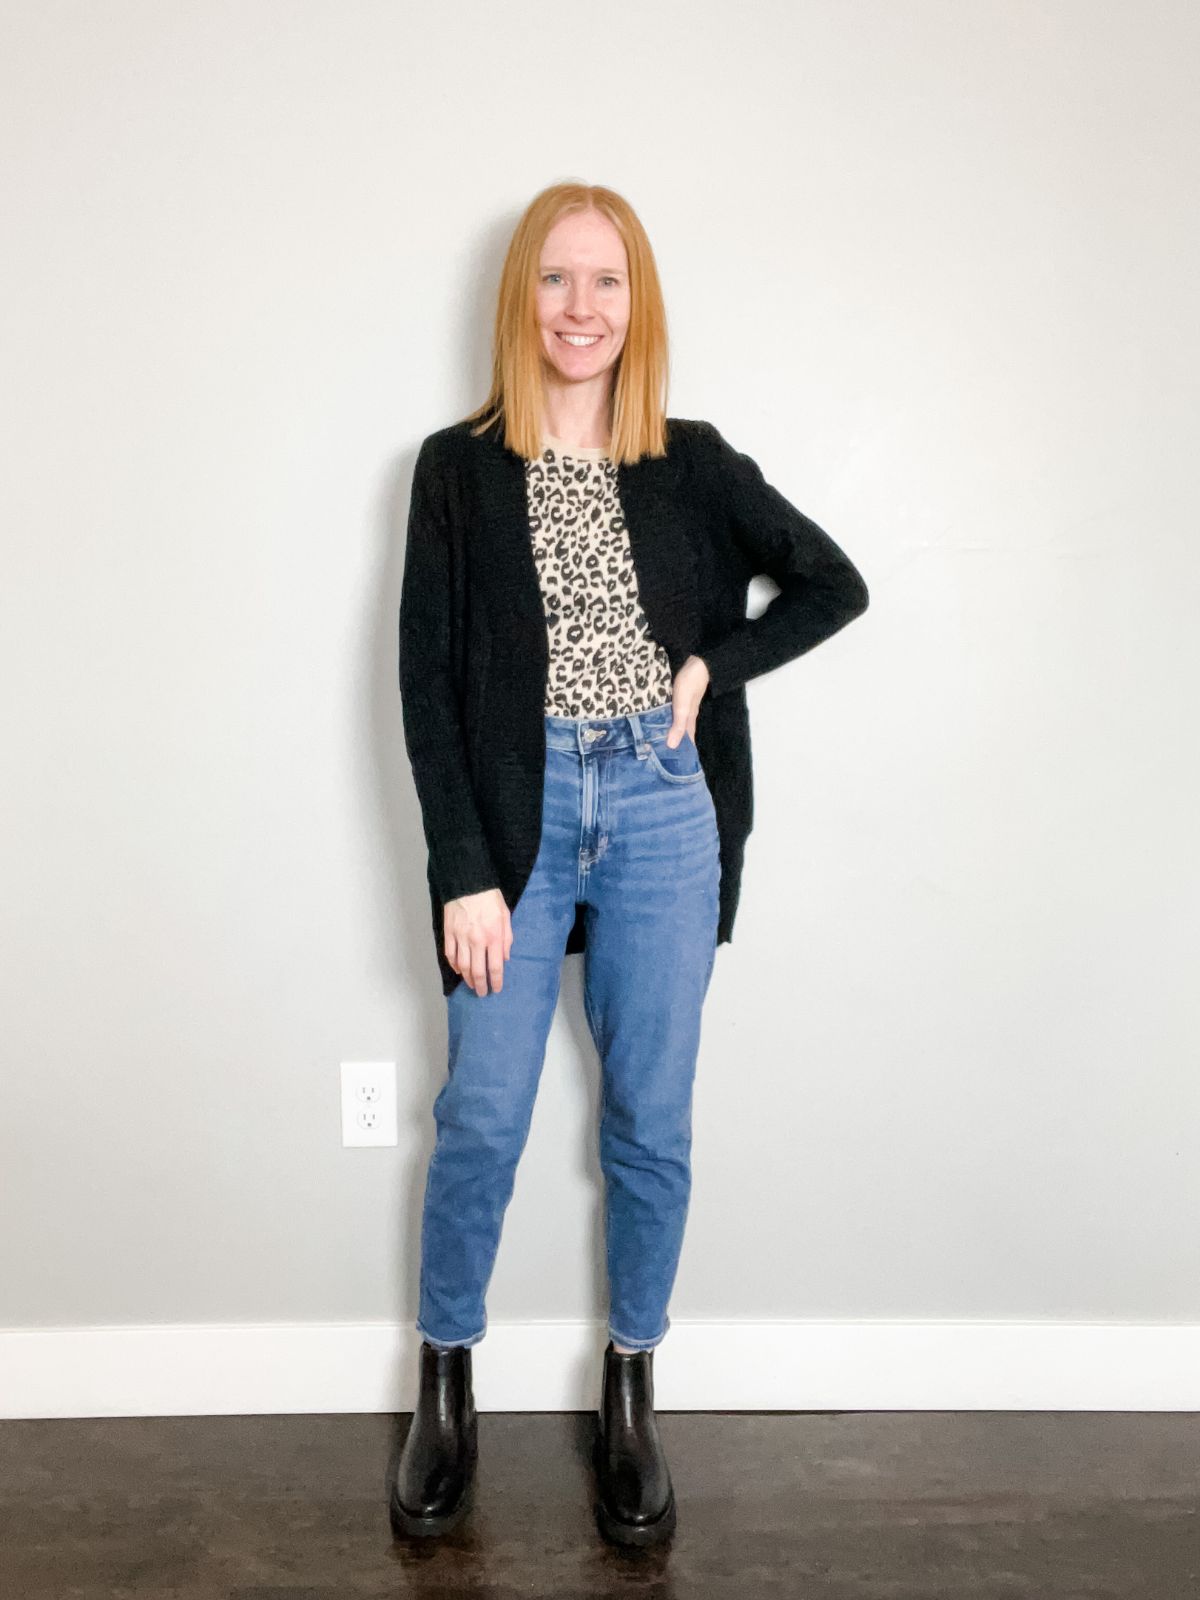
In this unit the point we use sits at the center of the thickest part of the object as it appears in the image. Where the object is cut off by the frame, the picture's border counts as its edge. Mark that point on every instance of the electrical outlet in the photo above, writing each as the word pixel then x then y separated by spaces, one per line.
pixel 368 1102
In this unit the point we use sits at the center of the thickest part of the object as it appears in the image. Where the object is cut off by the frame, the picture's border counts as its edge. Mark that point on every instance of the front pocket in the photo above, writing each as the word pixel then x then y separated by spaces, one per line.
pixel 681 765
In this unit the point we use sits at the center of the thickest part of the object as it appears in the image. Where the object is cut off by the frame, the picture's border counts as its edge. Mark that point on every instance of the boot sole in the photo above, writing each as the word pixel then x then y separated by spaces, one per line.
pixel 632 1533
pixel 408 1523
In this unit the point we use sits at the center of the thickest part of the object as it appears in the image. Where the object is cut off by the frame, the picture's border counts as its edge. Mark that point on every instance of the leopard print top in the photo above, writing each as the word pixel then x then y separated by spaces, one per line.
pixel 603 660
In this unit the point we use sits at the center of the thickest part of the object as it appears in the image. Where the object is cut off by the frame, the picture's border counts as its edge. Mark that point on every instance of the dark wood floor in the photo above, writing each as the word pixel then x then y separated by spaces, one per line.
pixel 886 1505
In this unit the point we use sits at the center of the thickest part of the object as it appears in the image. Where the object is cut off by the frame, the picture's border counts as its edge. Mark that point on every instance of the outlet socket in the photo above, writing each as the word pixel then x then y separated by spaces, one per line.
pixel 368 1103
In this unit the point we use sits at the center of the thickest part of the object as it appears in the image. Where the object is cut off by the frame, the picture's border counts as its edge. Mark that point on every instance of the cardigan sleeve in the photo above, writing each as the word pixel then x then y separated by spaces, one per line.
pixel 459 860
pixel 820 589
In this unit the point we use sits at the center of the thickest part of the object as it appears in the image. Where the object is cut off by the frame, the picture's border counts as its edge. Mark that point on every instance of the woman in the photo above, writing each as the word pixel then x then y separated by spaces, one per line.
pixel 573 653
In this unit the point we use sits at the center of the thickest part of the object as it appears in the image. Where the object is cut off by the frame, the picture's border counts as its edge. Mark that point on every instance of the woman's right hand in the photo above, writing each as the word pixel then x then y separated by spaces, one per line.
pixel 478 938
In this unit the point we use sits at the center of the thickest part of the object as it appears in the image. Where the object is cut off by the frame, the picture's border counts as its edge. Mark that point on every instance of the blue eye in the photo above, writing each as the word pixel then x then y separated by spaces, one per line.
pixel 546 277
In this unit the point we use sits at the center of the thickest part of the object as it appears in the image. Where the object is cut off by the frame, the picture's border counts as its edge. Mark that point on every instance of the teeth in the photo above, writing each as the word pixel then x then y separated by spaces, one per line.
pixel 579 338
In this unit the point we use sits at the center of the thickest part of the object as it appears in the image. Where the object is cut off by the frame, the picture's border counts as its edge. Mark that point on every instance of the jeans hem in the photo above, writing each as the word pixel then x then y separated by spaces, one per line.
pixel 637 1344
pixel 458 1344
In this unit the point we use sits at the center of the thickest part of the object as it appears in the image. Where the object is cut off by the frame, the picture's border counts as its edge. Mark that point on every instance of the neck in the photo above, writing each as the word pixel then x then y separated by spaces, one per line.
pixel 576 418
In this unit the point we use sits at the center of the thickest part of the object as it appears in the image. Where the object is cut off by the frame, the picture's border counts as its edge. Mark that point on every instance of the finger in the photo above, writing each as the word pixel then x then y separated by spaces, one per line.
pixel 495 960
pixel 479 964
pixel 685 722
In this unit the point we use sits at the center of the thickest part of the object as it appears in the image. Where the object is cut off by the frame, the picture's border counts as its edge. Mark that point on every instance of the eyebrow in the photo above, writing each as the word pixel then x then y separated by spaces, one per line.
pixel 617 272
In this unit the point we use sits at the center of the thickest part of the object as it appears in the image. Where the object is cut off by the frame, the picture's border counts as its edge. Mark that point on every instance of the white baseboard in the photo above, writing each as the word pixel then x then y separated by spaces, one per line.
pixel 218 1369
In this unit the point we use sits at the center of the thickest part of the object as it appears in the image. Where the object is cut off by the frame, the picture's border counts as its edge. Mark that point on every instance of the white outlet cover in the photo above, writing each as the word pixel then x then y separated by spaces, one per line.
pixel 368 1103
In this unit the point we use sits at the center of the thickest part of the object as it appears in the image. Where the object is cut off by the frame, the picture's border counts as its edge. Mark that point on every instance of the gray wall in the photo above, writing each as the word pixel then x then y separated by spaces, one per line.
pixel 933 265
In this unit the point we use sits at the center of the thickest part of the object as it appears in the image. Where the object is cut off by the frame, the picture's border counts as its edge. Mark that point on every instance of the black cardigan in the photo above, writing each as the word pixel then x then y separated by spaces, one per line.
pixel 474 652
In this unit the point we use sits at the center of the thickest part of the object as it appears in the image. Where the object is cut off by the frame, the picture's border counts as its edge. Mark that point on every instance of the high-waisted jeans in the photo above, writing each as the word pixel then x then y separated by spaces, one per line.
pixel 628 830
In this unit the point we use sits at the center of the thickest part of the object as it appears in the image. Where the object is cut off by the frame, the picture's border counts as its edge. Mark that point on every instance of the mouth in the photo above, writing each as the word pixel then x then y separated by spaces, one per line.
pixel 579 341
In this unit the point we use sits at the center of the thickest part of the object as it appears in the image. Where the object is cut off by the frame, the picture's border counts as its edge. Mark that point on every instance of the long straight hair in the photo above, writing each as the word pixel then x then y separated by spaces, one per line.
pixel 515 401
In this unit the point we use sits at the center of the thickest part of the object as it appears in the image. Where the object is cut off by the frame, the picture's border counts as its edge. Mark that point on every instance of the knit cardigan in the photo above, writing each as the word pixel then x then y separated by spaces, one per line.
pixel 473 650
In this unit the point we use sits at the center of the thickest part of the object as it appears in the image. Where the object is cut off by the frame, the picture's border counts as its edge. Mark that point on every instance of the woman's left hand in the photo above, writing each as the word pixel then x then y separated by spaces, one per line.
pixel 687 691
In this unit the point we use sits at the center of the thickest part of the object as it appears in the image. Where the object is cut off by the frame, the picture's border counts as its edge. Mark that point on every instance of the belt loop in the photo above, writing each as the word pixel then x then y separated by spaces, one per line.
pixel 640 742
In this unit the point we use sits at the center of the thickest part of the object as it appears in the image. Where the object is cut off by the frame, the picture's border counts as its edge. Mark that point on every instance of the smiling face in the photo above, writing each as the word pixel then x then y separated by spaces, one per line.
pixel 583 298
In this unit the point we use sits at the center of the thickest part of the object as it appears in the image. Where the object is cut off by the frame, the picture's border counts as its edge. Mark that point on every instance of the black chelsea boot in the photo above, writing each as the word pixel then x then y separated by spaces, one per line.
pixel 636 1502
pixel 431 1490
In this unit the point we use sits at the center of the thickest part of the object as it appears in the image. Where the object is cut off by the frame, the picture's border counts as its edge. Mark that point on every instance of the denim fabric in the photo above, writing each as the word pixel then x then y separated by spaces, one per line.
pixel 628 830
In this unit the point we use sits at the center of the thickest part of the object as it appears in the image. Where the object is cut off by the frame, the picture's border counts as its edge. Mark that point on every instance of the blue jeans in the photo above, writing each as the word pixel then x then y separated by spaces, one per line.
pixel 629 830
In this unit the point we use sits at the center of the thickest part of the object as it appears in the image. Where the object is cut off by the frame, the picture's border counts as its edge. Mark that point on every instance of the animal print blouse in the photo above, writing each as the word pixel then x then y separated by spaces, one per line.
pixel 603 660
